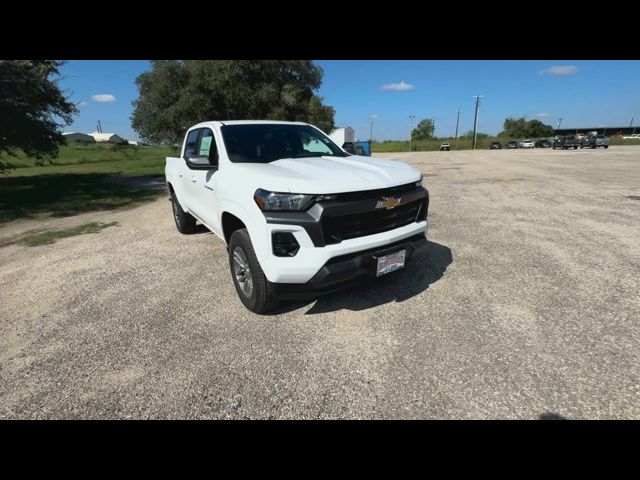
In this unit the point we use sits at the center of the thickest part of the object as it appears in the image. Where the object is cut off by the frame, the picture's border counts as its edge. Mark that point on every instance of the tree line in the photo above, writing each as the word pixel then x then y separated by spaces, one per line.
pixel 173 95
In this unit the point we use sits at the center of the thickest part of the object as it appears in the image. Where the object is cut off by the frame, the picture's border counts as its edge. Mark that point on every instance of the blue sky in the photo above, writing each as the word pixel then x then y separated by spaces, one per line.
pixel 583 93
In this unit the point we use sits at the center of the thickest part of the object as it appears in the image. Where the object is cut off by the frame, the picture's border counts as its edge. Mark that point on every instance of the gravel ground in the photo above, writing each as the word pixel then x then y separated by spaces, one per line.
pixel 527 307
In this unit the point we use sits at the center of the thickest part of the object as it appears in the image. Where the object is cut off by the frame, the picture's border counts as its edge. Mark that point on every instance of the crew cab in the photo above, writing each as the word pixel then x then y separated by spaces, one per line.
pixel 566 142
pixel 595 141
pixel 299 215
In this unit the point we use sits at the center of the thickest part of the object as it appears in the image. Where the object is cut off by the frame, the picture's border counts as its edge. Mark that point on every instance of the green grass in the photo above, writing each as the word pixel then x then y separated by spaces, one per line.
pixel 36 238
pixel 620 141
pixel 95 158
pixel 79 180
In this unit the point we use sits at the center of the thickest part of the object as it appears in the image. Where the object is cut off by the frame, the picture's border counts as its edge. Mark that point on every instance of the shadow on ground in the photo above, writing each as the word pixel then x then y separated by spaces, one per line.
pixel 552 416
pixel 61 195
pixel 396 287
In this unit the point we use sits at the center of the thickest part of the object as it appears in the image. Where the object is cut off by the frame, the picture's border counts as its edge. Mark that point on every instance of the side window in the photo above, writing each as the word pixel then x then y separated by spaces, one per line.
pixel 190 148
pixel 208 146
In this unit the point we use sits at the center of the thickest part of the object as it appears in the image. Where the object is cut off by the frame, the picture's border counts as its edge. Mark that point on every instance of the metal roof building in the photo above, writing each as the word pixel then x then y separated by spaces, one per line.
pixel 107 137
pixel 78 137
pixel 611 131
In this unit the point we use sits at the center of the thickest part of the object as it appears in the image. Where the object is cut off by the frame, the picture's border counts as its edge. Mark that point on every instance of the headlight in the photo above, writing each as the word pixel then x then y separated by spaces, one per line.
pixel 281 202
pixel 419 182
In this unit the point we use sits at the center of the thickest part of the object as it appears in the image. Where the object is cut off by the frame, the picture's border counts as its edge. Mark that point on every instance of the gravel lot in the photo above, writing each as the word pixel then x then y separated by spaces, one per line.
pixel 527 307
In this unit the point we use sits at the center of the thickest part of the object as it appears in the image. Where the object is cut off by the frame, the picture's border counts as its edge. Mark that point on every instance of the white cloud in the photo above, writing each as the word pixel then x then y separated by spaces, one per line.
pixel 543 114
pixel 82 104
pixel 560 70
pixel 374 116
pixel 399 87
pixel 103 98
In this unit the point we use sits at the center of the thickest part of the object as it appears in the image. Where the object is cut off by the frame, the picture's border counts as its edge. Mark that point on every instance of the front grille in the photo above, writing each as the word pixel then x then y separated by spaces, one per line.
pixel 344 227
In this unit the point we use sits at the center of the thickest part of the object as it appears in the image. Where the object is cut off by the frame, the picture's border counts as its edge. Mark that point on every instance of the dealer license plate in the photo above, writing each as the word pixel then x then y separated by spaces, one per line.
pixel 390 262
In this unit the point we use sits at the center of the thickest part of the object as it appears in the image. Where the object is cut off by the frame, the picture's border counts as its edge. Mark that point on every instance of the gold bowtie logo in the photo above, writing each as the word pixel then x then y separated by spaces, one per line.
pixel 388 202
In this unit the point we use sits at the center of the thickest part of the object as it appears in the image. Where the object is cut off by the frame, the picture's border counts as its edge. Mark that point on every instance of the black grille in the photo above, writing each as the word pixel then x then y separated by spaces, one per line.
pixel 344 227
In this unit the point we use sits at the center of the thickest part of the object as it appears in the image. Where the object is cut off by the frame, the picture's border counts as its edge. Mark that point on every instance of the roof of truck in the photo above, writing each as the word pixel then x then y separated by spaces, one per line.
pixel 247 122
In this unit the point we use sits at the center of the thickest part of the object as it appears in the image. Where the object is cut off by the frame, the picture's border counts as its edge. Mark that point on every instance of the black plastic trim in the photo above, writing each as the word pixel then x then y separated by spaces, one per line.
pixel 340 272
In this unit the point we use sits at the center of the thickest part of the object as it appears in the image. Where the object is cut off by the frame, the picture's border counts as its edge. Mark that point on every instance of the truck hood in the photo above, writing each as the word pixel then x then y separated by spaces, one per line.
pixel 328 174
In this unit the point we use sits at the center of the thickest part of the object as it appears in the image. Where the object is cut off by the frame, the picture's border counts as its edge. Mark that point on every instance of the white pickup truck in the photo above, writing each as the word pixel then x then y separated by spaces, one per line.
pixel 299 215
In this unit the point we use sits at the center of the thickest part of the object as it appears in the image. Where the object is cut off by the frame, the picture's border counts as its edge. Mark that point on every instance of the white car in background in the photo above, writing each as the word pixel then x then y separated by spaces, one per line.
pixel 526 144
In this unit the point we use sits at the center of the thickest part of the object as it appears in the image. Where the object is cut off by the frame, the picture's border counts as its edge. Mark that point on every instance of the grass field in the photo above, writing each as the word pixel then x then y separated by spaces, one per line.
pixel 79 180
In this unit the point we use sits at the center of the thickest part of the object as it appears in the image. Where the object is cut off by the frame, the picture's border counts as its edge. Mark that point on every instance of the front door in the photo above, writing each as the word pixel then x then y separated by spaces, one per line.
pixel 204 183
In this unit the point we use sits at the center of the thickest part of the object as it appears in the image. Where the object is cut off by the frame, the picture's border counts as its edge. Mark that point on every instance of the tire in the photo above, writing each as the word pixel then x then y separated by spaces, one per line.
pixel 575 148
pixel 606 146
pixel 255 292
pixel 185 223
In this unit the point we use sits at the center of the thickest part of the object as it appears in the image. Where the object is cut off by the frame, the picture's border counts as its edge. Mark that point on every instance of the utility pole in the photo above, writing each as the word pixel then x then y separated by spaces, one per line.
pixel 559 122
pixel 457 123
pixel 475 120
pixel 411 117
pixel 371 133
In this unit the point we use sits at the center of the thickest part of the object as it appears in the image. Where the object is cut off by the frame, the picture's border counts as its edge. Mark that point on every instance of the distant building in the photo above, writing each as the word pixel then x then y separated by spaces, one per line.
pixel 610 131
pixel 78 137
pixel 340 136
pixel 107 137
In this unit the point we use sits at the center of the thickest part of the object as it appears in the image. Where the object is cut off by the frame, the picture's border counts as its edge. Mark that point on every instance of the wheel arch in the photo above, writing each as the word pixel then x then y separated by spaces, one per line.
pixel 230 223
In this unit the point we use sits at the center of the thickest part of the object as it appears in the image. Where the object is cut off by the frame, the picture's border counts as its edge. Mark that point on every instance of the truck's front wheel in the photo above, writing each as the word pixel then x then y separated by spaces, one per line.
pixel 254 290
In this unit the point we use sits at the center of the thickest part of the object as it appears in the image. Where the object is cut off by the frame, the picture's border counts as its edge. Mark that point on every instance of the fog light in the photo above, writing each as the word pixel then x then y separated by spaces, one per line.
pixel 284 244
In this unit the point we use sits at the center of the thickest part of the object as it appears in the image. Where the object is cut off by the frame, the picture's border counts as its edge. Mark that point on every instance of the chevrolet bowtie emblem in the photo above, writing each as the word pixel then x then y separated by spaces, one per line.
pixel 388 202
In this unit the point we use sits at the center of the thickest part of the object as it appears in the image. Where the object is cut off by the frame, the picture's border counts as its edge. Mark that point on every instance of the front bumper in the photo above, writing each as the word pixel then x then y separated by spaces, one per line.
pixel 341 272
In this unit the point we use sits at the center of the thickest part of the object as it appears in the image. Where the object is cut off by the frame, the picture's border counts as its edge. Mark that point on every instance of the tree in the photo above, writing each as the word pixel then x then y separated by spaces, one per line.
pixel 176 94
pixel 424 130
pixel 520 128
pixel 479 135
pixel 32 108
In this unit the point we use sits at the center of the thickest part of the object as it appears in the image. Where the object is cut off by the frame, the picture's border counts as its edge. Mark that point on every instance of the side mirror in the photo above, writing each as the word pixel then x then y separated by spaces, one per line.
pixel 200 160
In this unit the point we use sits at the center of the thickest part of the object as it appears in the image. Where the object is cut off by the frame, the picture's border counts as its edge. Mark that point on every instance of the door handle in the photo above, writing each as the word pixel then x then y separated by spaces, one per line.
pixel 193 180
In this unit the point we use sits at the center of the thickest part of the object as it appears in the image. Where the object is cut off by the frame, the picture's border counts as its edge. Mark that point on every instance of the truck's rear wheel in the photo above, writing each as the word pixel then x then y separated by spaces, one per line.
pixel 185 223
pixel 254 290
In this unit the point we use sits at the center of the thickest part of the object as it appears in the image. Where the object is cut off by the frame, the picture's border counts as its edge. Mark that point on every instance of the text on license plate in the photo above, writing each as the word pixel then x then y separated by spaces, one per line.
pixel 390 262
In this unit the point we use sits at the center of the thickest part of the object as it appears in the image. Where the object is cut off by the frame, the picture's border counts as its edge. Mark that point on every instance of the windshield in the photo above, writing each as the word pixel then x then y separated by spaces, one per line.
pixel 267 142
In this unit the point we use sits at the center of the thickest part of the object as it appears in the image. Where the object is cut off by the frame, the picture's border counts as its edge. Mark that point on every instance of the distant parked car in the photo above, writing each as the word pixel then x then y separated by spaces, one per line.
pixel 566 142
pixel 543 143
pixel 445 146
pixel 633 136
pixel 512 144
pixel 595 141
pixel 526 144
pixel 495 146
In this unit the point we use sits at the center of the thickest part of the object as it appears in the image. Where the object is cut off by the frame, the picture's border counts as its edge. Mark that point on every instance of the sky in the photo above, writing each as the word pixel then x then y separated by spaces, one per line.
pixel 582 93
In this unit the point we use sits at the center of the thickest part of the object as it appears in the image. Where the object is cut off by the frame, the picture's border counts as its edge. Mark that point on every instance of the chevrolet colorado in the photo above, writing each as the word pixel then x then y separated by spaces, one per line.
pixel 299 215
